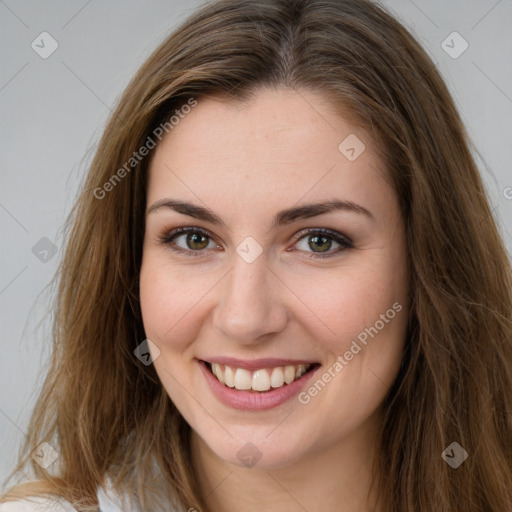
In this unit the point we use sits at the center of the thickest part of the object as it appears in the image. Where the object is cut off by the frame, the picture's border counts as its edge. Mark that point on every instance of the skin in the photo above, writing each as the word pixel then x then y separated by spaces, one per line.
pixel 247 161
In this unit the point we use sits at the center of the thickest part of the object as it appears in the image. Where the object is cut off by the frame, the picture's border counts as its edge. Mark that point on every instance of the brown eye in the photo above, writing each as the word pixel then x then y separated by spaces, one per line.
pixel 322 243
pixel 196 241
pixel 189 241
pixel 318 242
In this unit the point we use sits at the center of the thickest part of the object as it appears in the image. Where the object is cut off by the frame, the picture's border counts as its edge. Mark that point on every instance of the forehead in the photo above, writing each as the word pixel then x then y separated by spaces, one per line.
pixel 281 144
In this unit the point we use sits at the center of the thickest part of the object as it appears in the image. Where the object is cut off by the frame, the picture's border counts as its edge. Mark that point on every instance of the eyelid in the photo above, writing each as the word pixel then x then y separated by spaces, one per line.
pixel 339 237
pixel 344 241
pixel 168 237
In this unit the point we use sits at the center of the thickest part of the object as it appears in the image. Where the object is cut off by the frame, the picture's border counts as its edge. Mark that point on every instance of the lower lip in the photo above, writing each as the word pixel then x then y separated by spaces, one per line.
pixel 254 400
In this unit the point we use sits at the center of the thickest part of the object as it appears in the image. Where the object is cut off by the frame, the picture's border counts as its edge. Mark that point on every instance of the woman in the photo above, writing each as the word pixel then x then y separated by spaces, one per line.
pixel 284 288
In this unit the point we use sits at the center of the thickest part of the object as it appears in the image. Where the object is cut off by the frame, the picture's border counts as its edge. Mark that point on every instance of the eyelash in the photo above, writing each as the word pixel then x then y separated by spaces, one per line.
pixel 345 242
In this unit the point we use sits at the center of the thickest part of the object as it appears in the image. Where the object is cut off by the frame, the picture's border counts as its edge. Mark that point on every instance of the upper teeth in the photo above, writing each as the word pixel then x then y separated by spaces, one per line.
pixel 259 380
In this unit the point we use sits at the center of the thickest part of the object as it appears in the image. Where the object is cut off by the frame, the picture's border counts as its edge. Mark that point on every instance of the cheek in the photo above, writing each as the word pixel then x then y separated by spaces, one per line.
pixel 361 324
pixel 350 300
pixel 169 303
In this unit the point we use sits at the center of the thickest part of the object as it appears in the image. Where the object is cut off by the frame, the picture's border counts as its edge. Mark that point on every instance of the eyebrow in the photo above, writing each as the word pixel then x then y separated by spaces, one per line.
pixel 281 218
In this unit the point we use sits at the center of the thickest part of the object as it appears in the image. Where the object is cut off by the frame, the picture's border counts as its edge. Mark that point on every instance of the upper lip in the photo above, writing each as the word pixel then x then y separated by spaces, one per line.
pixel 256 364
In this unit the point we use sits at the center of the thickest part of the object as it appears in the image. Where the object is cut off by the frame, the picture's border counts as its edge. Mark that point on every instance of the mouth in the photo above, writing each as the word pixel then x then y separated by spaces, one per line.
pixel 261 380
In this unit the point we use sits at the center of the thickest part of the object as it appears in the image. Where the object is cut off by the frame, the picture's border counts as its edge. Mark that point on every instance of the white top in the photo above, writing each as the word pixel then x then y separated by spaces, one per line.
pixel 107 503
pixel 37 505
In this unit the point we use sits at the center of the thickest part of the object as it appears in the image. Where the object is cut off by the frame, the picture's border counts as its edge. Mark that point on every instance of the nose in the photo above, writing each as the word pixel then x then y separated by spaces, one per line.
pixel 250 303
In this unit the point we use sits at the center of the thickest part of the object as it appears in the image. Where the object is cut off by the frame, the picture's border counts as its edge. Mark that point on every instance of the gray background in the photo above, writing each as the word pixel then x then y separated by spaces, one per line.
pixel 53 111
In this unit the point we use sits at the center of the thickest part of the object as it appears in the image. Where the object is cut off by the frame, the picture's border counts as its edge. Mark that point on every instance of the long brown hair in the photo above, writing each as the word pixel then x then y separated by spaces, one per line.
pixel 107 414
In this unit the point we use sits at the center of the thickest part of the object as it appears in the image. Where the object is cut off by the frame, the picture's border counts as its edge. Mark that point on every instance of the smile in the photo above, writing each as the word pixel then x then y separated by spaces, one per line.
pixel 260 380
pixel 256 385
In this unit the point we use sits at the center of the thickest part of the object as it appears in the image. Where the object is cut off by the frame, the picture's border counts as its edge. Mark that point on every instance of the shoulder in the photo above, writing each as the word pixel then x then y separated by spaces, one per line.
pixel 37 504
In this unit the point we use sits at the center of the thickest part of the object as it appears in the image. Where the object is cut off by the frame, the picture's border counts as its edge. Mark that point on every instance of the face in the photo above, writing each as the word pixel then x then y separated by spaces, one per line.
pixel 274 256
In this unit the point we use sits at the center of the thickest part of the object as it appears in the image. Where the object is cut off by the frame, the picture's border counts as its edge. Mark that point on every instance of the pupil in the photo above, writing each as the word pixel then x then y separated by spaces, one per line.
pixel 315 240
pixel 194 240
